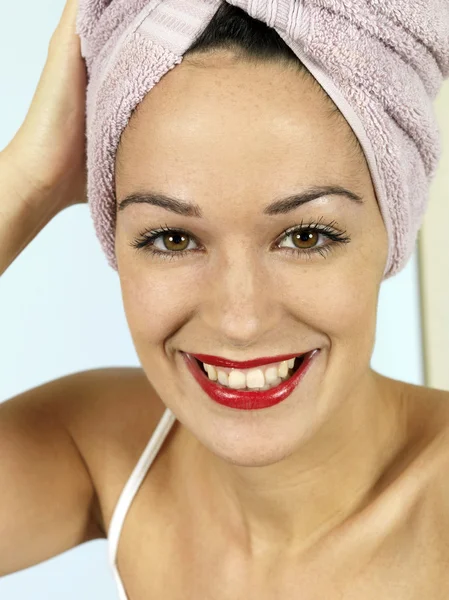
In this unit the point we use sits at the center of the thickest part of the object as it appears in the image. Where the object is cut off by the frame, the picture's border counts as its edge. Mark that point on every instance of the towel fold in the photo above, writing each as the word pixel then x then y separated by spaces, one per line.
pixel 381 61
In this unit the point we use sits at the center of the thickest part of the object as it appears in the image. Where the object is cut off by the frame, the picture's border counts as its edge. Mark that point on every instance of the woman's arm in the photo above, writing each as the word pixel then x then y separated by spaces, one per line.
pixel 42 170
pixel 48 502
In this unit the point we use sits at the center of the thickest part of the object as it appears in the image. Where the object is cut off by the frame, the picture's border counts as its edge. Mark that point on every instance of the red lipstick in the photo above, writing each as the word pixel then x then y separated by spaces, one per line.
pixel 249 399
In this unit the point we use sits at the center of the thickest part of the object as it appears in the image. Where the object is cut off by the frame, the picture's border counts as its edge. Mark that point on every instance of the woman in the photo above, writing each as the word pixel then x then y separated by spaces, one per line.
pixel 332 486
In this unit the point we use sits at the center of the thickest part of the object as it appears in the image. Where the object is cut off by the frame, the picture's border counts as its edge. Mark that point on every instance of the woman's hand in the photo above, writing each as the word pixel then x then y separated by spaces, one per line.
pixel 48 151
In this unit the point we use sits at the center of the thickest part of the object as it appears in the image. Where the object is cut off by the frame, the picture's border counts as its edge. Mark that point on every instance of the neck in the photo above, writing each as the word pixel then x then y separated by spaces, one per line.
pixel 284 508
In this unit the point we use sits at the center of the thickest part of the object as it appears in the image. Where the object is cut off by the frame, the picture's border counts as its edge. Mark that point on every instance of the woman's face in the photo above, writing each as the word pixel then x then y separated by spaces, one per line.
pixel 232 137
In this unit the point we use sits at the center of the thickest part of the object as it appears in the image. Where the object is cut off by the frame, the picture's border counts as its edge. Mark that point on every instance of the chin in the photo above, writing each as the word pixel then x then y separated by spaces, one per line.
pixel 248 449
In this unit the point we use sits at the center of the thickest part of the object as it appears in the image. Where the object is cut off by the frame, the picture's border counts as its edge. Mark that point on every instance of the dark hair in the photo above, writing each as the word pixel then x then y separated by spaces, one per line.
pixel 231 28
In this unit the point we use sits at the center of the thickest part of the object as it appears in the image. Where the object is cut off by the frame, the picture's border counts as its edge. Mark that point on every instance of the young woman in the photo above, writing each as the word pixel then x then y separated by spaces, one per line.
pixel 337 486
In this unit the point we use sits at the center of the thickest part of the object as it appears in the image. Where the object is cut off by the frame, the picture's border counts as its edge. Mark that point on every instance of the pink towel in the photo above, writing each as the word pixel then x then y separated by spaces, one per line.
pixel 381 61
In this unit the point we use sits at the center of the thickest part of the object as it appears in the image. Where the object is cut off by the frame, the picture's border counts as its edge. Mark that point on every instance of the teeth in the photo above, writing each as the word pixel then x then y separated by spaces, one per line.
pixel 254 379
pixel 237 380
pixel 283 369
pixel 260 378
pixel 271 374
pixel 222 377
pixel 212 372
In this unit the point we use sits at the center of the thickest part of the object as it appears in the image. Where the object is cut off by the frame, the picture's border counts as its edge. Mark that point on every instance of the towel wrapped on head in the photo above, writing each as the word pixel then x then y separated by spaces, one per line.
pixel 382 62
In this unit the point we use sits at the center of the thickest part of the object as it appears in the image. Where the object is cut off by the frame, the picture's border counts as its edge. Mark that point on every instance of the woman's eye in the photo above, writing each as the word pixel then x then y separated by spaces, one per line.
pixel 303 240
pixel 176 241
pixel 173 243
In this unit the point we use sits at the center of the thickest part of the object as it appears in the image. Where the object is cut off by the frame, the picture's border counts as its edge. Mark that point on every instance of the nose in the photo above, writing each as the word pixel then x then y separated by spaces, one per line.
pixel 243 302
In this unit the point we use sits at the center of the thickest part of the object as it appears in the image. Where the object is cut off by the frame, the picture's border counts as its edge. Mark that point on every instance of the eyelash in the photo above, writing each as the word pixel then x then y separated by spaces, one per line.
pixel 147 238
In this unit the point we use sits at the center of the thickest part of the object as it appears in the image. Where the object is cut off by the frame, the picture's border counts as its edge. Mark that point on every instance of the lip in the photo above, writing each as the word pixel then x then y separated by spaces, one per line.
pixel 217 361
pixel 248 400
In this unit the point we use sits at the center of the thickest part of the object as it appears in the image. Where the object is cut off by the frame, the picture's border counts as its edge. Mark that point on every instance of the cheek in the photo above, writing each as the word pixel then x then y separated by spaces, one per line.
pixel 350 324
pixel 339 302
pixel 350 290
pixel 351 311
pixel 154 303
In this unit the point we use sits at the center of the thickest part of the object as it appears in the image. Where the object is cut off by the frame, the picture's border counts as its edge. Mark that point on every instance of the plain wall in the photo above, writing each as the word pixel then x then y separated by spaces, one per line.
pixel 434 261
pixel 61 307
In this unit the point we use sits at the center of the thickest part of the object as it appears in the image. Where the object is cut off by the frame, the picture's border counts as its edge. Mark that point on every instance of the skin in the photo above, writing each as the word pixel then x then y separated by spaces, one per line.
pixel 233 136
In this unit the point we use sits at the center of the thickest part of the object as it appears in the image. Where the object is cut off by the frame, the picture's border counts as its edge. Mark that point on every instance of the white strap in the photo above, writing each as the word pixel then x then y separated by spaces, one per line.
pixel 121 590
pixel 135 480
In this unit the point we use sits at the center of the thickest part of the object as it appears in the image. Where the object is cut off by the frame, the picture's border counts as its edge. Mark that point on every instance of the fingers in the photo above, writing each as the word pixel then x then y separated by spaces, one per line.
pixel 68 18
pixel 66 29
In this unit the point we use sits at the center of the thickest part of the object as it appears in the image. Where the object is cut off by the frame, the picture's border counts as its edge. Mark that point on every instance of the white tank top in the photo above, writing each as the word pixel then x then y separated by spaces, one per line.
pixel 129 491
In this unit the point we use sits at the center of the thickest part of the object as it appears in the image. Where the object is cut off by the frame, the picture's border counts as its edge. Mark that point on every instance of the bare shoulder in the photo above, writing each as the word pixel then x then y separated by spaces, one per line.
pixel 111 423
pixel 427 406
pixel 116 401
pixel 423 424
pixel 428 433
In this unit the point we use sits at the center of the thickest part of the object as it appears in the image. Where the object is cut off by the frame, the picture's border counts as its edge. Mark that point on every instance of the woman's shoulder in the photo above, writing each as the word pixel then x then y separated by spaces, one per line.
pixel 111 424
pixel 117 404
pixel 427 440
pixel 426 406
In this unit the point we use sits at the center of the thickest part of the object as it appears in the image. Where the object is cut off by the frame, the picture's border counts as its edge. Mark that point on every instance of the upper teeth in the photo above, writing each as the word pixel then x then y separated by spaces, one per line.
pixel 260 377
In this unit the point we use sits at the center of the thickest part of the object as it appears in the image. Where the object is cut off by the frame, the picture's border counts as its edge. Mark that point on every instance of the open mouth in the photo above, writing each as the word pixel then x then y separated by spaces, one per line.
pixel 277 373
pixel 227 386
pixel 298 362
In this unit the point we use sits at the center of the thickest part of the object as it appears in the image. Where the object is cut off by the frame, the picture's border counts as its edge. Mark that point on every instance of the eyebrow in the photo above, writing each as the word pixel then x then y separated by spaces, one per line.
pixel 278 207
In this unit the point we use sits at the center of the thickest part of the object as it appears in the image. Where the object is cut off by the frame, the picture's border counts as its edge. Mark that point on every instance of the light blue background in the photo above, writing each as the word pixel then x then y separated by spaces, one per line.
pixel 61 309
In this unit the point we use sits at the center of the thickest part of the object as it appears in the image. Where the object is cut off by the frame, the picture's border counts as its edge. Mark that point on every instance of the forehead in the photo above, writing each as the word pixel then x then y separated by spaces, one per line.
pixel 223 117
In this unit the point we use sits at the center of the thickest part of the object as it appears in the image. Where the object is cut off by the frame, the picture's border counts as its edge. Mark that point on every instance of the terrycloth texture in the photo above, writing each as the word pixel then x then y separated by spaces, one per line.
pixel 381 61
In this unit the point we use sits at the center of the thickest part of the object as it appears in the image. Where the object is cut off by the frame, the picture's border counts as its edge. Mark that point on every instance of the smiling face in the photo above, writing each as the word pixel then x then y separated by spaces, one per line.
pixel 232 137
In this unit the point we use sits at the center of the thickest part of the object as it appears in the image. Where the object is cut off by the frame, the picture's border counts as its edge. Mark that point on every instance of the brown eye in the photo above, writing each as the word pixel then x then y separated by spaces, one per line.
pixel 174 240
pixel 305 239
